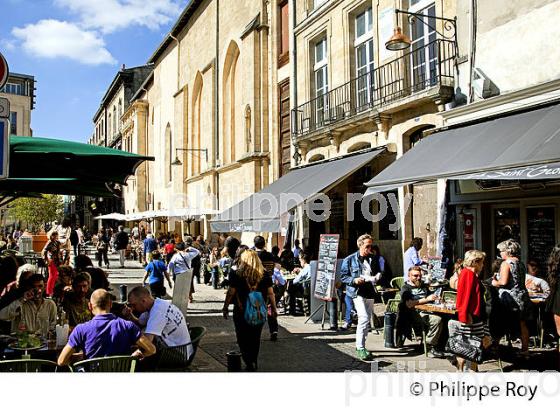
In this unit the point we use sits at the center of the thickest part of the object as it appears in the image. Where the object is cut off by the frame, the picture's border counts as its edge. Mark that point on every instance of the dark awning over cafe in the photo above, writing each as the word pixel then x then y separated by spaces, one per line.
pixel 44 165
pixel 261 212
pixel 523 145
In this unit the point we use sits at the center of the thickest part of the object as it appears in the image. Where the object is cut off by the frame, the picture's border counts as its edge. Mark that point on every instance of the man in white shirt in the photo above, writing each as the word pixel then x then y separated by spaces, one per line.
pixel 162 322
pixel 182 260
pixel 411 257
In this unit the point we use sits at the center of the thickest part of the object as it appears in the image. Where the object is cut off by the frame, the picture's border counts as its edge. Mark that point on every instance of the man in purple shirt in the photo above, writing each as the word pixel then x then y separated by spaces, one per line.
pixel 105 335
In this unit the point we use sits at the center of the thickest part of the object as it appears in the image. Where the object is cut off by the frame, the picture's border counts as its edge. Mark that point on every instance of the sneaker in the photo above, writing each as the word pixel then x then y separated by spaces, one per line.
pixel 364 354
pixel 346 326
pixel 436 354
pixel 274 336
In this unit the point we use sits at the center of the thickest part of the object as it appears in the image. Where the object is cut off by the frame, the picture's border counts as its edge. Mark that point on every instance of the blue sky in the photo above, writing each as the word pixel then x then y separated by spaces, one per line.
pixel 74 48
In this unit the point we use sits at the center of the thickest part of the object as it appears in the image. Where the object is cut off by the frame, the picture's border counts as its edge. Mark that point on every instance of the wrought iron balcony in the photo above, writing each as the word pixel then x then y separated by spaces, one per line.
pixel 418 70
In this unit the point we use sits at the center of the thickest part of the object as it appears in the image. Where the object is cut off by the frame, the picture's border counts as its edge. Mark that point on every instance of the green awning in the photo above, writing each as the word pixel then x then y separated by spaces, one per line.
pixel 44 165
pixel 32 157
pixel 21 187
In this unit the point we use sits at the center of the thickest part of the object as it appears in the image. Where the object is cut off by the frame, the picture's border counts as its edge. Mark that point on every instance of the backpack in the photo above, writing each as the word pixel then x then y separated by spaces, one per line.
pixel 255 308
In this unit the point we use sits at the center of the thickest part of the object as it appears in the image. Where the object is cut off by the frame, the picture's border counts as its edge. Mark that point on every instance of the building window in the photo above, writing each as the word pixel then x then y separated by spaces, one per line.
pixel 318 3
pixel 114 120
pixel 424 48
pixel 109 122
pixel 283 34
pixel 120 113
pixel 168 153
pixel 321 82
pixel 13 123
pixel 363 45
pixel 11 88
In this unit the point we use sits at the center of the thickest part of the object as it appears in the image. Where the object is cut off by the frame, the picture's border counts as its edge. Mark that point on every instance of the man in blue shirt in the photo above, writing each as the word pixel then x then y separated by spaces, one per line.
pixel 411 257
pixel 150 245
pixel 105 335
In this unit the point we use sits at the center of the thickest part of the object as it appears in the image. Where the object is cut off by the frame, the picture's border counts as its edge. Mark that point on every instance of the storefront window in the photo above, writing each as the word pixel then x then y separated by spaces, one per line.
pixel 507 225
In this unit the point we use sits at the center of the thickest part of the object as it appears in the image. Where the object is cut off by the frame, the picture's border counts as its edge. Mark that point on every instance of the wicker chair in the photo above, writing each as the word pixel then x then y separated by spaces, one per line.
pixel 174 359
pixel 28 366
pixel 111 364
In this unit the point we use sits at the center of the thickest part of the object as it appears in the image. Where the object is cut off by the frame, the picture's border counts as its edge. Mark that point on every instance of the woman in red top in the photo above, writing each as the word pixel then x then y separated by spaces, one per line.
pixel 169 250
pixel 470 303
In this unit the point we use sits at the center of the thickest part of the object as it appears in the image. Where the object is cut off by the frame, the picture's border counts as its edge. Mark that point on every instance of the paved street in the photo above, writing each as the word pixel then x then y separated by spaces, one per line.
pixel 300 347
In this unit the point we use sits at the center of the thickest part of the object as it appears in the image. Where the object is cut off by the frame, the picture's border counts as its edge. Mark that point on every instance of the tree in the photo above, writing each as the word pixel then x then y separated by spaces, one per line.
pixel 35 212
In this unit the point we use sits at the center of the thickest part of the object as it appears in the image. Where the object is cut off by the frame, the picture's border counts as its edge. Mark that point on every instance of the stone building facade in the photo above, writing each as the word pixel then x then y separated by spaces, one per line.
pixel 20 92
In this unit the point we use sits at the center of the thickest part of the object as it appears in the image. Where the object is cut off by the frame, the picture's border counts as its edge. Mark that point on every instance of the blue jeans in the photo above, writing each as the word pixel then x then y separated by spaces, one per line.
pixel 349 302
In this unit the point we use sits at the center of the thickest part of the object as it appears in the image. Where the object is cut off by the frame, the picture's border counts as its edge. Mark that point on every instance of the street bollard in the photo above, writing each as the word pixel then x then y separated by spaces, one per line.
pixel 233 361
pixel 388 332
pixel 123 293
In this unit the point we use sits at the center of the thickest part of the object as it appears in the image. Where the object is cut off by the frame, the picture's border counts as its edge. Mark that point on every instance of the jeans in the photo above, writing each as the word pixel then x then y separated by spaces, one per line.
pixel 349 302
pixel 432 324
pixel 364 307
pixel 248 339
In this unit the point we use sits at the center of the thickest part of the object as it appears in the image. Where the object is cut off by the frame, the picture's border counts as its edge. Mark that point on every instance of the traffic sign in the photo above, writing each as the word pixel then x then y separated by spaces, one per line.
pixel 4 148
pixel 4 71
pixel 4 108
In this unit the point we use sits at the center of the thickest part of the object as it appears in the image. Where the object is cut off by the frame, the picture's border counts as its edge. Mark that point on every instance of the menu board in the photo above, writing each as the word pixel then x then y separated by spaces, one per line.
pixel 541 234
pixel 326 267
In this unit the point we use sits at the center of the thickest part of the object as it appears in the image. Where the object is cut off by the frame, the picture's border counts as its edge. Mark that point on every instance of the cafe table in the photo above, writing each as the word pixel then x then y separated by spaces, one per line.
pixel 436 308
pixel 386 291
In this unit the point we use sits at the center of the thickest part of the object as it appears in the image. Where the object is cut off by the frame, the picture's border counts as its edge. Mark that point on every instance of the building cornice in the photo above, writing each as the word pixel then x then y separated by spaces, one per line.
pixel 504 103
pixel 316 15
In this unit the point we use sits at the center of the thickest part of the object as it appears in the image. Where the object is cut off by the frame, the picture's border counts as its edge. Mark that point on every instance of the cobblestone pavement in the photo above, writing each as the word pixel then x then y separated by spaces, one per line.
pixel 300 347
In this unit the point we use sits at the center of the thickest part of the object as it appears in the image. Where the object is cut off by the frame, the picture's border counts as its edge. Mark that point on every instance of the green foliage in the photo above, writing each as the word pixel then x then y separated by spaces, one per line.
pixel 35 212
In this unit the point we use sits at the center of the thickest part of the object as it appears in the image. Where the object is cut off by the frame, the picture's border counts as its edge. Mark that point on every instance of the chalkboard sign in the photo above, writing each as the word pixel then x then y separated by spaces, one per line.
pixel 541 234
pixel 326 267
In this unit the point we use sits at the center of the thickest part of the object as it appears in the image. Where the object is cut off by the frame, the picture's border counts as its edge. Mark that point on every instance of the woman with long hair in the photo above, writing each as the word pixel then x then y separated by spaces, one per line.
pixel 553 302
pixel 248 277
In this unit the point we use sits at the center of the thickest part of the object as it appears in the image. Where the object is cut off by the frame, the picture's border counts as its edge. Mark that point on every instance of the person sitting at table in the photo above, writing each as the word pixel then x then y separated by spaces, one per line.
pixel 36 313
pixel 76 303
pixel 303 279
pixel 413 293
pixel 512 292
pixel 533 281
pixel 23 273
pixel 471 310
pixel 105 335
pixel 163 323
pixel 457 268
pixel 63 283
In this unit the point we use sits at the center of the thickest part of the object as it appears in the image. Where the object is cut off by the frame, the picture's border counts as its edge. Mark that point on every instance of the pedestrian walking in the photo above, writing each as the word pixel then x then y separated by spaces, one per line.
pixel 249 290
pixel 102 248
pixel 121 243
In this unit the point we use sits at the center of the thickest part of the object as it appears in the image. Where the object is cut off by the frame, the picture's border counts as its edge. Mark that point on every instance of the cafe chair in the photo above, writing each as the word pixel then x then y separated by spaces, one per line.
pixel 28 366
pixel 174 359
pixel 111 364
pixel 449 296
pixel 397 283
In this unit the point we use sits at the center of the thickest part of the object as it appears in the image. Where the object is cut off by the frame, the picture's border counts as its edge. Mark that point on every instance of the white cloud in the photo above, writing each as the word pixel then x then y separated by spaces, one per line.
pixel 112 15
pixel 56 39
pixel 7 44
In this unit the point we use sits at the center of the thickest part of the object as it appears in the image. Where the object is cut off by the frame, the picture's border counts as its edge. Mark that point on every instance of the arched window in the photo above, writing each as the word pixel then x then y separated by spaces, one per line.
pixel 168 153
pixel 114 120
pixel 196 130
pixel 232 126
pixel 110 123
pixel 120 113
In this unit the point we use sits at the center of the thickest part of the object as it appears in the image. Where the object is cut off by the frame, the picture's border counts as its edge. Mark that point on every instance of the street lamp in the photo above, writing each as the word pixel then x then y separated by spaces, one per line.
pixel 400 41
pixel 178 161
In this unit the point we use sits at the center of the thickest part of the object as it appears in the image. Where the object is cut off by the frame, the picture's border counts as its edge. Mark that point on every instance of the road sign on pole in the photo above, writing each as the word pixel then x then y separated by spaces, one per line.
pixel 4 108
pixel 4 148
pixel 4 71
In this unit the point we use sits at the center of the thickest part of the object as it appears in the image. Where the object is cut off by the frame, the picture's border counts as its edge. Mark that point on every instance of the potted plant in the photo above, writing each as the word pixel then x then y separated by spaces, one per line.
pixel 35 213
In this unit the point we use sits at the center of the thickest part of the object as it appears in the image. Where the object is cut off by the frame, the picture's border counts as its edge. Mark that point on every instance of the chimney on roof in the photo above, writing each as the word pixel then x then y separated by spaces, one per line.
pixel 123 67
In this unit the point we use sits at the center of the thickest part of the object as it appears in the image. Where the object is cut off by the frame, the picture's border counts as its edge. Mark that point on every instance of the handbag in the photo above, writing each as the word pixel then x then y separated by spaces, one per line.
pixel 466 347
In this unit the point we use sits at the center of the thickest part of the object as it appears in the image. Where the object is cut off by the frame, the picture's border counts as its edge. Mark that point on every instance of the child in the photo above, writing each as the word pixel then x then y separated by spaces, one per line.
pixel 156 270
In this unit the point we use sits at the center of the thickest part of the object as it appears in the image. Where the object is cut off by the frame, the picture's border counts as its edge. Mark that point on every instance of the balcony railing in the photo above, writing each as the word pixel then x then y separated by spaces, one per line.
pixel 422 68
